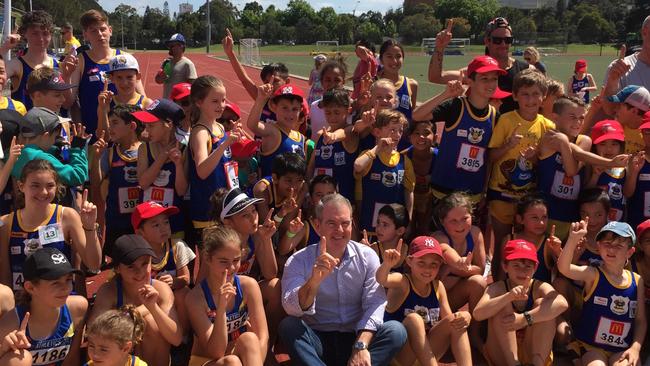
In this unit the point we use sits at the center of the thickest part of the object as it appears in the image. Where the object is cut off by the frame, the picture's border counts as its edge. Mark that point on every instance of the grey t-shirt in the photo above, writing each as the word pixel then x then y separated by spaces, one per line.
pixel 639 73
pixel 182 71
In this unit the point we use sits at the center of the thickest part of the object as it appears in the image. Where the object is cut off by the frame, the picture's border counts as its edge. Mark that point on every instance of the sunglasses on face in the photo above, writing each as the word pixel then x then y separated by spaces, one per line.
pixel 638 111
pixel 499 40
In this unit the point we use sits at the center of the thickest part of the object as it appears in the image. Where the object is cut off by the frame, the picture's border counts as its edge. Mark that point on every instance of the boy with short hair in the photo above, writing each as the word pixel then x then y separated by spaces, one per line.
pixel 36 28
pixel 383 175
pixel 281 136
pixel 39 134
pixel 513 151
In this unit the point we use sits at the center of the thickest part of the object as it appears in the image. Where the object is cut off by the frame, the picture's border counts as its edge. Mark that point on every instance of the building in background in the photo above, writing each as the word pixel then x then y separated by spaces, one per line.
pixel 185 8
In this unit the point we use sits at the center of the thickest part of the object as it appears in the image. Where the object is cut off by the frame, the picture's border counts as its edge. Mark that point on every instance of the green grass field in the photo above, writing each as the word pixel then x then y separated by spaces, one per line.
pixel 300 63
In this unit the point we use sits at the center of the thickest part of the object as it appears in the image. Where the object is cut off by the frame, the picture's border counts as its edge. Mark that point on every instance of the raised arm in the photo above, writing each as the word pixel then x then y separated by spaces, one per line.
pixel 424 111
pixel 253 123
pixel 564 262
pixel 435 72
pixel 243 77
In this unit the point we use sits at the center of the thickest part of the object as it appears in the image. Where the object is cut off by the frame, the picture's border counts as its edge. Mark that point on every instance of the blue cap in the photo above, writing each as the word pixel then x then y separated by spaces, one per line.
pixel 619 228
pixel 177 37
pixel 634 95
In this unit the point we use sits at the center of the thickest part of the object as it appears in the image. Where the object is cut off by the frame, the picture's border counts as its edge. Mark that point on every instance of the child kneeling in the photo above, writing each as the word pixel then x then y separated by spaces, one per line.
pixel 419 301
pixel 520 310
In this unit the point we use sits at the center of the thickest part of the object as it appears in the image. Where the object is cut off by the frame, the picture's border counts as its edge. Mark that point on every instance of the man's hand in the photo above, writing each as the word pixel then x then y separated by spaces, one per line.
pixel 359 358
pixel 444 36
pixel 325 263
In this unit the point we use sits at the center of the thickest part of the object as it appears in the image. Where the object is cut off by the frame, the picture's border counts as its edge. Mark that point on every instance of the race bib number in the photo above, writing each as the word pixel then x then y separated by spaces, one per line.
pixel 324 171
pixel 237 321
pixel 128 198
pixel 375 213
pixel 164 196
pixel 565 187
pixel 470 157
pixel 17 281
pixel 231 169
pixel 50 234
pixel 339 158
pixel 612 332
pixel 49 356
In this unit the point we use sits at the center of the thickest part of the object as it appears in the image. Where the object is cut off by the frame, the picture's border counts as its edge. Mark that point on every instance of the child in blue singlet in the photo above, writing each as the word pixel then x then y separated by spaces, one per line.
pixel 161 162
pixel 384 175
pixel 117 166
pixel 608 139
pixel 211 163
pixel 521 311
pixel 336 158
pixel 132 284
pixel 391 55
pixel 53 336
pixel 581 82
pixel 284 190
pixel 124 73
pixel 281 136
pixel 419 300
pixel 7 102
pixel 303 228
pixel 613 322
pixel 637 183
pixel 226 309
pixel 41 223
pixel 113 336
pixel 392 223
pixel 382 97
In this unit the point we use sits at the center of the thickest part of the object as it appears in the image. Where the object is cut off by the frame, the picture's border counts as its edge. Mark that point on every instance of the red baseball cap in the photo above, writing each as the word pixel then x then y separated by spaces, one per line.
pixel 289 89
pixel 244 148
pixel 520 249
pixel 149 209
pixel 423 245
pixel 483 64
pixel 180 91
pixel 581 65
pixel 642 228
pixel 234 108
pixel 500 94
pixel 608 129
pixel 645 122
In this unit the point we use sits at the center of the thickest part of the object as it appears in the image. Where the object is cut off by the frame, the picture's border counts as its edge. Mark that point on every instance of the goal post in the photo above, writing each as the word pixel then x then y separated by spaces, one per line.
pixel 250 51
pixel 456 46
pixel 327 46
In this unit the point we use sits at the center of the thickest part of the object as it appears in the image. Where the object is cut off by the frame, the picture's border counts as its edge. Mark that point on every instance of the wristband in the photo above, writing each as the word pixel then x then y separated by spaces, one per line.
pixel 529 318
pixel 277 218
pixel 89 230
pixel 290 234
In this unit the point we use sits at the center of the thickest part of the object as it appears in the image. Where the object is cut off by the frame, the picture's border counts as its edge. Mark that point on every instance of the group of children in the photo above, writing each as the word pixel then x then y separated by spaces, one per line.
pixel 501 237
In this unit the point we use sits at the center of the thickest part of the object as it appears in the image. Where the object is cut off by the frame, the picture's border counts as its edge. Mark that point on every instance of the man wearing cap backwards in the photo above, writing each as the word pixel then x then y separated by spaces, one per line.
pixel 178 68
pixel 633 69
pixel 629 106
pixel 334 303
pixel 498 38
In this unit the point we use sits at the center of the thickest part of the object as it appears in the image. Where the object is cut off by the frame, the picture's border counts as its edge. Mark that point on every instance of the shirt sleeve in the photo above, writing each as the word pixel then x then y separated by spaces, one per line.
pixel 373 299
pixel 183 255
pixel 104 164
pixel 293 278
pixel 501 131
pixel 191 71
pixel 447 111
pixel 73 174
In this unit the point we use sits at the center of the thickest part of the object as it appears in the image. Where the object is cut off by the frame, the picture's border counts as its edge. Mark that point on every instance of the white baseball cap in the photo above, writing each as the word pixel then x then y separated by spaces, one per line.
pixel 123 61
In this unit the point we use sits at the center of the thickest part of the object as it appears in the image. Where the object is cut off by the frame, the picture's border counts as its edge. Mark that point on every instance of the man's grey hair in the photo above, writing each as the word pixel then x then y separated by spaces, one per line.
pixel 646 22
pixel 331 199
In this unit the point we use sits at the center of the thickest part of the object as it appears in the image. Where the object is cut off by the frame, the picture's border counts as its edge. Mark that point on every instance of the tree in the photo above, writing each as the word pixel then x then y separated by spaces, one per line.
pixel 415 27
pixel 298 10
pixel 124 18
pixel 345 29
pixel 370 32
pixel 461 28
pixel 223 15
pixel 189 25
pixel 477 12
pixel 592 28
pixel 525 30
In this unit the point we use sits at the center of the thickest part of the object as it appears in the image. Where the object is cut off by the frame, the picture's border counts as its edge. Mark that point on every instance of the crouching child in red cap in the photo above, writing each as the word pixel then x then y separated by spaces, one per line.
pixel 520 310
pixel 419 301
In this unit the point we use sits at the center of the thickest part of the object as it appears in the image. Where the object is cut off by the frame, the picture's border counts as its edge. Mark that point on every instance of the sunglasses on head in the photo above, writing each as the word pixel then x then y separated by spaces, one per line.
pixel 499 40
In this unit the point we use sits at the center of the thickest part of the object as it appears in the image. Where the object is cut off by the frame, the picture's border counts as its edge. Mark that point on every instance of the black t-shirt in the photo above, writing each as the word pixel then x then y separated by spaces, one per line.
pixel 450 110
pixel 505 84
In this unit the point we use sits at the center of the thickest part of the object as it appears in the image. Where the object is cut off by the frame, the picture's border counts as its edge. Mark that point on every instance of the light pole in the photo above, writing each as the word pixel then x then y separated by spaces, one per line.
pixel 209 28
pixel 122 21
pixel 355 7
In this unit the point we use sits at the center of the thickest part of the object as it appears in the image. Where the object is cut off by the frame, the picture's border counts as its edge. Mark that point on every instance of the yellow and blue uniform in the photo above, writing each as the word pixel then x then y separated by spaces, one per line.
pixel 236 317
pixel 544 270
pixel 336 160
pixel 607 318
pixel 273 199
pixel 403 93
pixel 167 264
pixel 21 94
pixel 90 85
pixel 123 190
pixel 469 247
pixel 293 142
pixel 577 85
pixel 385 181
pixel 138 101
pixel 163 190
pixel 52 350
pixel 132 361
pixel 378 247
pixel 24 242
pixel 638 209
pixel 14 105
pixel 612 181
pixel 247 263
pixel 224 175
pixel 461 164
pixel 425 305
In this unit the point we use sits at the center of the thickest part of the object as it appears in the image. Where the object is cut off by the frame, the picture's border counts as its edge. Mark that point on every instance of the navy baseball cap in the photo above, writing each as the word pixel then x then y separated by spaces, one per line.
pixel 54 82
pixel 177 37
pixel 619 228
pixel 128 248
pixel 161 109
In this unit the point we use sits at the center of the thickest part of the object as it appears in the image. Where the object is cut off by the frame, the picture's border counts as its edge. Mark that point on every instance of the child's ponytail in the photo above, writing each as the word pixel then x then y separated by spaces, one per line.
pixel 123 325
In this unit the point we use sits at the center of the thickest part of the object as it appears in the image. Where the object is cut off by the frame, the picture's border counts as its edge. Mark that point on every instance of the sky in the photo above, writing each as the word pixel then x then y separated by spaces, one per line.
pixel 340 6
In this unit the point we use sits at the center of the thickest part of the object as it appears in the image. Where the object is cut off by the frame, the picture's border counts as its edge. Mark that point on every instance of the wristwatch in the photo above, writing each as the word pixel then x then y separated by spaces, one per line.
pixel 359 346
pixel 529 318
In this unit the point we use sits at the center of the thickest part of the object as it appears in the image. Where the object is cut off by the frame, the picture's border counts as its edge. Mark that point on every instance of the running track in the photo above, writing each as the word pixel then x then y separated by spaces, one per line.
pixel 205 65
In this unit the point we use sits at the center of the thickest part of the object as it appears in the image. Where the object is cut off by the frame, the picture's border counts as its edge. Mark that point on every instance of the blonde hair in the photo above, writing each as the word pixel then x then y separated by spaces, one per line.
pixel 123 325
pixel 382 83
pixel 218 236
pixel 533 52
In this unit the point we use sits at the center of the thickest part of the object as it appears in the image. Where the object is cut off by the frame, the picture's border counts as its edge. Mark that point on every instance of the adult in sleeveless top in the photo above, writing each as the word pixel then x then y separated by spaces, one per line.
pixel 498 39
